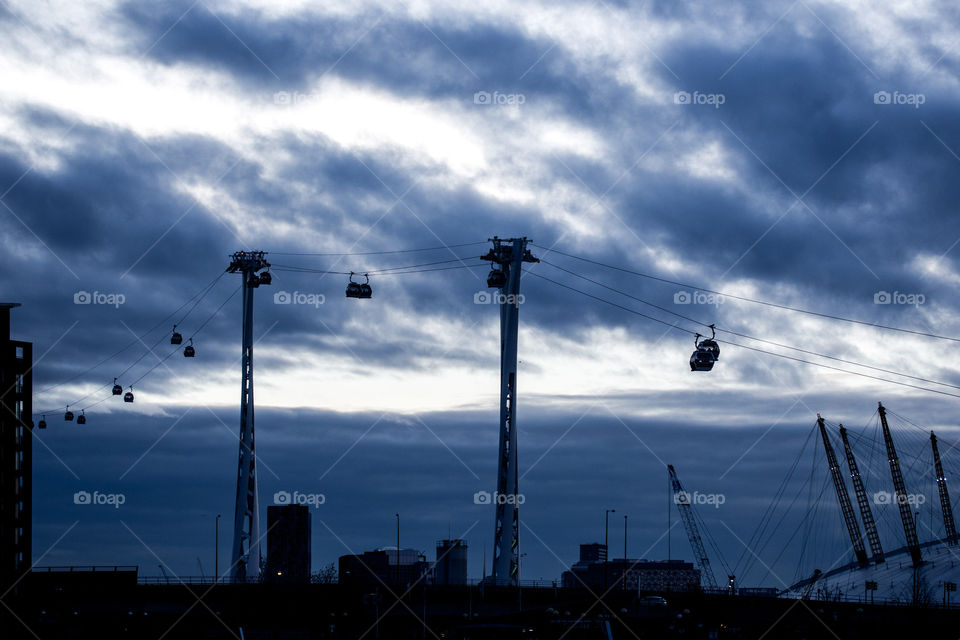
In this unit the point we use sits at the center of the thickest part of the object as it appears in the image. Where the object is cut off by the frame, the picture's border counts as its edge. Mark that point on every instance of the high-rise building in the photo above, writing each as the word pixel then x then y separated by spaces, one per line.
pixel 288 544
pixel 451 564
pixel 16 452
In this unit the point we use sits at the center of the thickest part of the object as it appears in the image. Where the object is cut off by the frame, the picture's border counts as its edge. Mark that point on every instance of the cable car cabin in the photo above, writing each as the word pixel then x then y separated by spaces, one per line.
pixel 176 338
pixel 43 422
pixel 68 416
pixel 189 351
pixel 265 278
pixel 81 419
pixel 497 279
pixel 701 360
pixel 359 290
pixel 117 389
pixel 712 346
pixel 128 396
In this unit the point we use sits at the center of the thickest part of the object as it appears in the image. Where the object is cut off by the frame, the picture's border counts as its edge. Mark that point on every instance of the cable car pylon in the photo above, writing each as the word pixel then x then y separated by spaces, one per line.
pixel 245 557
pixel 507 256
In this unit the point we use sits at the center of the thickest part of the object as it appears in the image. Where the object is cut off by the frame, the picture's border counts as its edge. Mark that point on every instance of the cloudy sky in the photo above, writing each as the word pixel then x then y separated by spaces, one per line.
pixel 800 153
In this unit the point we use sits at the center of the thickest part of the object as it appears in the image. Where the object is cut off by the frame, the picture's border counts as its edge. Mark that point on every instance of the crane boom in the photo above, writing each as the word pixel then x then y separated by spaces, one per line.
pixel 682 499
pixel 843 497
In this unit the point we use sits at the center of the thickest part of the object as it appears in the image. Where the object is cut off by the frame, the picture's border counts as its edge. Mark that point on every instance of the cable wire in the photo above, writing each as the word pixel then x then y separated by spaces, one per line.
pixel 380 253
pixel 743 346
pixel 752 300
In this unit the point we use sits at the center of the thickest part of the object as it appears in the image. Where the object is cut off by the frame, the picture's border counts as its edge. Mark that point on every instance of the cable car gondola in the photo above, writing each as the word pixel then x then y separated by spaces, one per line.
pixel 359 290
pixel 82 418
pixel 68 416
pixel 188 351
pixel 43 422
pixel 176 338
pixel 117 389
pixel 128 396
pixel 497 278
pixel 702 359
pixel 265 278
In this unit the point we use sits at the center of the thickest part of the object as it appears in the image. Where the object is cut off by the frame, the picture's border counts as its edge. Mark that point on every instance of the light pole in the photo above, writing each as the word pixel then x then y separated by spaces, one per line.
pixel 398 548
pixel 520 579
pixel 216 551
pixel 624 552
pixel 606 543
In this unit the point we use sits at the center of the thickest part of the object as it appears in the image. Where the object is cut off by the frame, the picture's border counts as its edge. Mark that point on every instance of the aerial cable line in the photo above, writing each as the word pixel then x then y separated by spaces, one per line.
pixel 753 300
pixel 749 337
pixel 380 253
pixel 149 351
pixel 202 293
pixel 384 271
pixel 743 346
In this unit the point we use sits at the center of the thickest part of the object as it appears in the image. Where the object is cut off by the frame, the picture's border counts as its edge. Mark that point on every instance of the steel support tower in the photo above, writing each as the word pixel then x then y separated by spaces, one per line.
pixel 900 492
pixel 869 524
pixel 949 525
pixel 506 538
pixel 245 557
pixel 682 500
pixel 843 497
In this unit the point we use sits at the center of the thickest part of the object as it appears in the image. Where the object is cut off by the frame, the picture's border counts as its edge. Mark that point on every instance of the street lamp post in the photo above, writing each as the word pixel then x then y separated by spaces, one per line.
pixel 398 548
pixel 216 551
pixel 624 552
pixel 606 543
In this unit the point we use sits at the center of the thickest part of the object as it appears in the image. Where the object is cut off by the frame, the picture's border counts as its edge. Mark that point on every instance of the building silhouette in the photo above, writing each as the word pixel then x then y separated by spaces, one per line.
pixel 16 453
pixel 384 567
pixel 451 564
pixel 288 544
pixel 631 574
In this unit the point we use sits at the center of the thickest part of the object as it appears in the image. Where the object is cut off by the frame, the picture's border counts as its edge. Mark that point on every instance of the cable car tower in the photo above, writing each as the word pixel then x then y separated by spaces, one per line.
pixel 246 521
pixel 507 261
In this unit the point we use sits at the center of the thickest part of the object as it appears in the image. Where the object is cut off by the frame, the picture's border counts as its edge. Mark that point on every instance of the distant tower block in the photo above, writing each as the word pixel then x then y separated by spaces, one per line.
pixel 245 557
pixel 288 544
pixel 507 261
pixel 451 565
pixel 16 453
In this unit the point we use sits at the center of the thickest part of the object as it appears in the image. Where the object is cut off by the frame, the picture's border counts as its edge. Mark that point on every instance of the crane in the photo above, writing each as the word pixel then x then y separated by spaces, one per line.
pixel 682 499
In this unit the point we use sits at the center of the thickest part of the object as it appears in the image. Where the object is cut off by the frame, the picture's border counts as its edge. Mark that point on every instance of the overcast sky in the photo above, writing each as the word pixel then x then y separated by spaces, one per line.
pixel 801 153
